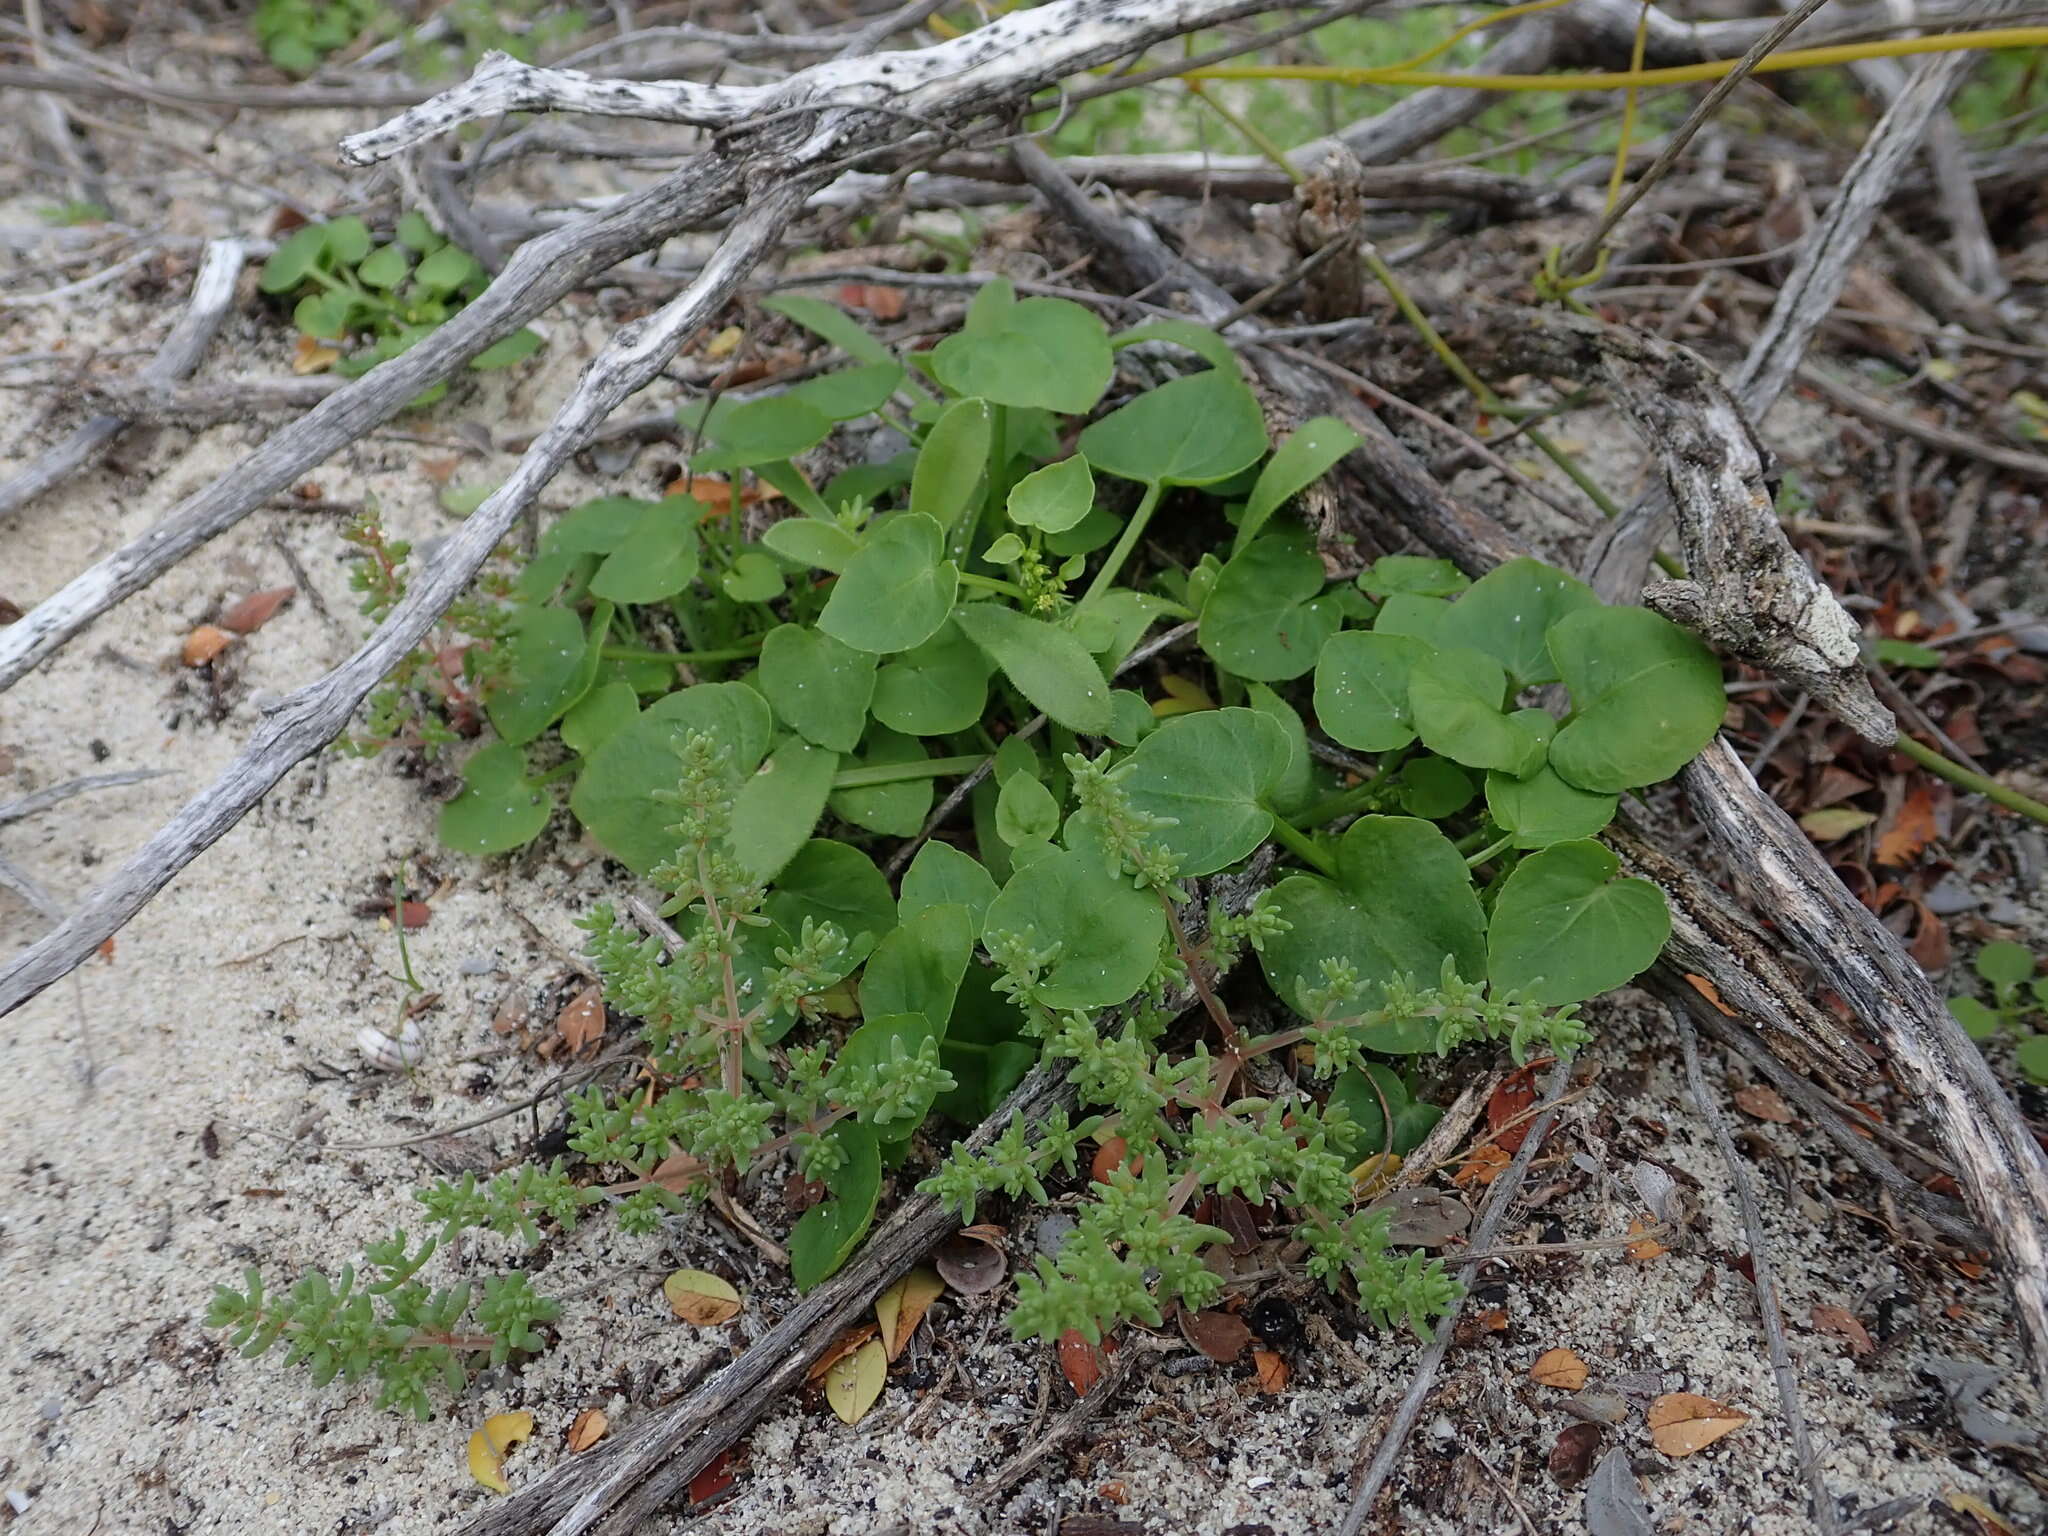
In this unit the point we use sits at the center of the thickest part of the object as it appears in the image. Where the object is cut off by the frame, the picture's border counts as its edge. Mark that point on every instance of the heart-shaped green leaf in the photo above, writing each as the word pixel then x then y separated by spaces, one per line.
pixel 1507 612
pixel 548 665
pixel 1050 353
pixel 778 805
pixel 1026 811
pixel 1210 772
pixel 1401 904
pixel 897 589
pixel 1456 698
pixel 749 432
pixel 811 541
pixel 1362 689
pixel 1543 809
pixel 1264 620
pixel 934 689
pixel 820 687
pixel 1107 933
pixel 826 1235
pixel 941 875
pixel 499 808
pixel 834 883
pixel 894 810
pixel 1370 1097
pixel 1646 697
pixel 917 968
pixel 1049 666
pixel 1564 929
pixel 1421 575
pixel 1054 498
pixel 657 559
pixel 1192 431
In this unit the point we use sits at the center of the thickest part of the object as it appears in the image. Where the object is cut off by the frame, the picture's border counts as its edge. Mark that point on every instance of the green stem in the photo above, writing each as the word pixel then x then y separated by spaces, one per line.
pixel 1301 845
pixel 1499 845
pixel 1253 134
pixel 1360 797
pixel 1962 778
pixel 678 658
pixel 994 584
pixel 1133 531
pixel 898 773
pixel 558 772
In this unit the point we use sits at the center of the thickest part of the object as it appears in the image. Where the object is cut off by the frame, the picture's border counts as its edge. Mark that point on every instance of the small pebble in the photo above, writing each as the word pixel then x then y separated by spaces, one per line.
pixel 18 1501
pixel 1951 894
pixel 479 965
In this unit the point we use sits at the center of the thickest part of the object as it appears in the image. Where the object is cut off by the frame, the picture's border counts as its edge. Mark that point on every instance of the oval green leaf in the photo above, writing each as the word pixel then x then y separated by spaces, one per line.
pixel 1192 431
pixel 896 591
pixel 1564 929
pixel 952 462
pixel 1361 690
pixel 1646 697
pixel 1309 453
pixel 1049 666
pixel 1107 932
pixel 1509 610
pixel 1265 620
pixel 819 686
pixel 1210 773
pixel 1054 498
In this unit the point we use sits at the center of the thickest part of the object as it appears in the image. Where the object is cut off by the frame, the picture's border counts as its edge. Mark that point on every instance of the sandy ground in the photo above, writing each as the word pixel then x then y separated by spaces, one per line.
pixel 178 1110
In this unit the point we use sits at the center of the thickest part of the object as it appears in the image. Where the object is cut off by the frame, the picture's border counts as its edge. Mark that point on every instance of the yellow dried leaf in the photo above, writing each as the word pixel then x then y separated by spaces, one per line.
pixel 310 356
pixel 902 1307
pixel 1684 1422
pixel 1835 823
pixel 587 1429
pixel 725 343
pixel 701 1298
pixel 203 644
pixel 853 1383
pixel 1375 1176
pixel 1560 1368
pixel 848 1341
pixel 1643 1249
pixel 488 1446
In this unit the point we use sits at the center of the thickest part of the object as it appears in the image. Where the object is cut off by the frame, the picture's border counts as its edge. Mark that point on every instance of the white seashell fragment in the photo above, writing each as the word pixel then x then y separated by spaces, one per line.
pixel 386 1054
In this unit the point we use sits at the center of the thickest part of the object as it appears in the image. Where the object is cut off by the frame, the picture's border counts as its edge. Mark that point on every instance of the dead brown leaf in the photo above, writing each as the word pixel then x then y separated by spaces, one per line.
pixel 1684 1422
pixel 1763 1101
pixel 581 1021
pixel 256 610
pixel 1710 992
pixel 1481 1166
pixel 1571 1458
pixel 1222 1336
pixel 902 1307
pixel 203 644
pixel 1080 1361
pixel 1560 1368
pixel 310 356
pixel 586 1429
pixel 840 1348
pixel 1842 1323
pixel 1643 1249
pixel 972 1260
pixel 701 1298
pixel 1910 830
pixel 1273 1371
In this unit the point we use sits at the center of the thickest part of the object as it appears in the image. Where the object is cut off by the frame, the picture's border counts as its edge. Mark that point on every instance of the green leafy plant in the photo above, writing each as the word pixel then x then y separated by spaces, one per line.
pixel 298 34
pixel 2018 1006
pixel 970 606
pixel 381 298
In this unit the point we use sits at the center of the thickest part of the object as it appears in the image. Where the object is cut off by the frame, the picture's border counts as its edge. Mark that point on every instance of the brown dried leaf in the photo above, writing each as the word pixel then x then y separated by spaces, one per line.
pixel 700 1298
pixel 1222 1336
pixel 1988 1520
pixel 309 356
pixel 1710 992
pixel 1841 1322
pixel 1482 1165
pixel 1080 1361
pixel 586 1429
pixel 581 1021
pixel 1910 829
pixel 844 1345
pixel 1764 1102
pixel 256 610
pixel 1507 1108
pixel 203 644
pixel 1560 1368
pixel 1643 1249
pixel 855 1382
pixel 1571 1458
pixel 902 1307
pixel 1684 1422
pixel 1273 1371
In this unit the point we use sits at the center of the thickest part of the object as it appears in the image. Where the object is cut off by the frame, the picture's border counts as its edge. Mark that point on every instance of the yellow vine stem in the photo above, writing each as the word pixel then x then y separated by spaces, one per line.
pixel 1992 39
pixel 1628 110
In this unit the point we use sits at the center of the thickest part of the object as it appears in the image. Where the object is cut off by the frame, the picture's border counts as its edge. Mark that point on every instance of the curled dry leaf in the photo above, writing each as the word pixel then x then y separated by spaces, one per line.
pixel 203 644
pixel 701 1298
pixel 1508 1106
pixel 972 1260
pixel 855 1381
pixel 489 1445
pixel 1597 1405
pixel 1560 1368
pixel 1643 1249
pixel 581 1021
pixel 1710 992
pixel 310 356
pixel 1272 1370
pixel 902 1307
pixel 1481 1166
pixel 256 610
pixel 1080 1361
pixel 1684 1422
pixel 1375 1176
pixel 1840 1322
pixel 1222 1336
pixel 845 1344
pixel 587 1429
pixel 1986 1520
pixel 1571 1458
pixel 714 1479
pixel 1764 1102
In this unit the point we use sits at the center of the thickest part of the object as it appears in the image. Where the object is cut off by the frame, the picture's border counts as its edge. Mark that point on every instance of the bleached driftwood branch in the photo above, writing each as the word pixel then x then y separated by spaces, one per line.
pixel 212 289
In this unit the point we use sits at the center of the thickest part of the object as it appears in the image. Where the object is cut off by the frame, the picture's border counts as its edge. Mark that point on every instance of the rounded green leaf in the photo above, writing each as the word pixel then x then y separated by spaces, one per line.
pixel 1309 453
pixel 1054 498
pixel 1978 1022
pixel 347 239
pixel 2033 1058
pixel 2005 964
pixel 1296 788
pixel 1646 697
pixel 934 689
pixel 1050 353
pixel 445 270
pixel 1433 788
pixel 779 805
pixel 385 267
pixel 1369 1097
pixel 657 559
pixel 917 968
pixel 548 665
pixel 1564 929
pixel 599 715
pixel 1202 340
pixel 941 875
pixel 820 687
pixel 1422 575
pixel 1026 811
pixel 499 808
pixel 1048 664
pixel 1211 773
pixel 832 323
pixel 1456 696
pixel 296 256
pixel 1508 612
pixel 507 350
pixel 830 882
pixel 1411 614
pixel 1264 620
pixel 1402 903
pixel 754 578
pixel 1362 689
pixel 951 462
pixel 1108 933
pixel 894 810
pixel 811 541
pixel 896 590
pixel 1192 431
pixel 847 394
pixel 1543 809
pixel 614 795
pixel 751 432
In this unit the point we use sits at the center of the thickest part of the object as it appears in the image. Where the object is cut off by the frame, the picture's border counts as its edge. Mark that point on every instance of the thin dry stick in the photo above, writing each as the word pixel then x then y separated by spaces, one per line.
pixel 1767 1300
pixel 1498 1202
pixel 56 794
pixel 179 355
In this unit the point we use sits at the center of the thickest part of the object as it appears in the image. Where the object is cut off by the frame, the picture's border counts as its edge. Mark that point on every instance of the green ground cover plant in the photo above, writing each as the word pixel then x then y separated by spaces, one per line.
pixel 754 723
pixel 2018 1009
